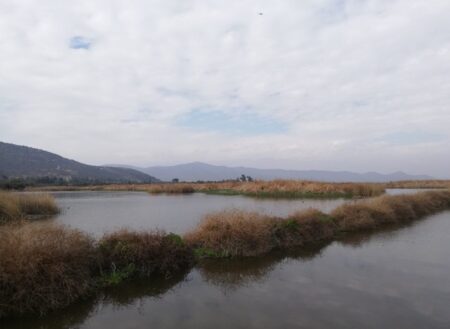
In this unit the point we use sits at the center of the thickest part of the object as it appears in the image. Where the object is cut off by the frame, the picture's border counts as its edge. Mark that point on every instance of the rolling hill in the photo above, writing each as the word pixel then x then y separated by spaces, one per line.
pixel 29 163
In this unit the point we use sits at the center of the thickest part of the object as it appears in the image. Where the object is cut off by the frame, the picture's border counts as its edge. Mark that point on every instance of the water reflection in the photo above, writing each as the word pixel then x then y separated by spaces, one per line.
pixel 396 278
pixel 133 294
pixel 232 274
pixel 99 212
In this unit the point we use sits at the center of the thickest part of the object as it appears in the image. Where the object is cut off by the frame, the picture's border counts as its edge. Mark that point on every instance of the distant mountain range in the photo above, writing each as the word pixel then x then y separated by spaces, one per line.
pixel 30 163
pixel 198 171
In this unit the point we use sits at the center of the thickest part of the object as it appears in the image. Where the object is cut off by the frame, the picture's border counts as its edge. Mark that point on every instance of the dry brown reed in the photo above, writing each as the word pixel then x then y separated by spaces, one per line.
pixel 232 233
pixel 126 253
pixel 15 206
pixel 270 189
pixel 43 267
pixel 240 233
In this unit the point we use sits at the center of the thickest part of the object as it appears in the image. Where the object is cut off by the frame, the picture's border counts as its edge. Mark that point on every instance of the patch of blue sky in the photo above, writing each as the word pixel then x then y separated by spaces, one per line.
pixel 412 137
pixel 79 42
pixel 246 123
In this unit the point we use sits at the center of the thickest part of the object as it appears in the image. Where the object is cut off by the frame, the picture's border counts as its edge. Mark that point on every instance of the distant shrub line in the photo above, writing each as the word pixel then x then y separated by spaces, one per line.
pixel 263 189
pixel 45 266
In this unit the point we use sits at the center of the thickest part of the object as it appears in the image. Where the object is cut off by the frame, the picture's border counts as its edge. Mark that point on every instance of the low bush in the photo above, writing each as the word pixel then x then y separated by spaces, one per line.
pixel 16 206
pixel 232 233
pixel 239 233
pixel 43 267
pixel 125 253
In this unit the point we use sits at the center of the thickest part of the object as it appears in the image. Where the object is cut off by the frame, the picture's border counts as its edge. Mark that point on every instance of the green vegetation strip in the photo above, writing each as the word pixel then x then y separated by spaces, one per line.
pixel 44 267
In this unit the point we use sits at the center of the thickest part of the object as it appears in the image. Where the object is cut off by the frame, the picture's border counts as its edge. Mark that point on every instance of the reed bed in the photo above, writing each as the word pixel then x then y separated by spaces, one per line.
pixel 267 189
pixel 44 266
pixel 125 253
pixel 15 206
pixel 241 234
pixel 294 188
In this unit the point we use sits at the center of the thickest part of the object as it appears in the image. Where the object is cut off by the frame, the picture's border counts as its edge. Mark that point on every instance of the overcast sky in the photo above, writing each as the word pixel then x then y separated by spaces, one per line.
pixel 355 85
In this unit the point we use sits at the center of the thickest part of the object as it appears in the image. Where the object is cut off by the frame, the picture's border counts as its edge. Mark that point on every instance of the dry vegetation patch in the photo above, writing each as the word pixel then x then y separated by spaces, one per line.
pixel 269 189
pixel 240 233
pixel 43 267
pixel 232 233
pixel 16 206
pixel 126 253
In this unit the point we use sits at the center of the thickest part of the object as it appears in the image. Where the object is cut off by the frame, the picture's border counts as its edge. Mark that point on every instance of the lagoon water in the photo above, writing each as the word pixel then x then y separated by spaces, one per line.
pixel 393 279
pixel 100 212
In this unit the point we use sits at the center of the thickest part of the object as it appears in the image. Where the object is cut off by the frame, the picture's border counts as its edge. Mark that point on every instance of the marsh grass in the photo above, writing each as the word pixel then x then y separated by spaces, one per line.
pixel 125 253
pixel 264 189
pixel 43 267
pixel 292 189
pixel 16 206
pixel 240 233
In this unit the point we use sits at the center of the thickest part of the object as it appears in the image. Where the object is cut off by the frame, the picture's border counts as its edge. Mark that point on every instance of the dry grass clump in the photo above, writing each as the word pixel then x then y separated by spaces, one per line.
pixel 126 253
pixel 294 189
pixel 15 206
pixel 9 207
pixel 43 267
pixel 37 204
pixel 270 189
pixel 240 233
pixel 178 188
pixel 304 227
pixel 232 233
pixel 393 209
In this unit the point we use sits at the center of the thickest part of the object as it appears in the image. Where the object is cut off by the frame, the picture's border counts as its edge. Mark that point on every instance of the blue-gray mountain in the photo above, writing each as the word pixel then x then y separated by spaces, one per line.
pixel 29 163
pixel 205 172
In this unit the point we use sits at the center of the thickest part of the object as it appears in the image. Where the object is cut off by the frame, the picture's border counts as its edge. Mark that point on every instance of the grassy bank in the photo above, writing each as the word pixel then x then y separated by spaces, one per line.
pixel 241 234
pixel 16 206
pixel 263 189
pixel 45 266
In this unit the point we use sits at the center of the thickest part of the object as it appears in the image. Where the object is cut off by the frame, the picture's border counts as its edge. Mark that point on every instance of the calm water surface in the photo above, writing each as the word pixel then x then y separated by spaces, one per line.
pixel 395 279
pixel 99 212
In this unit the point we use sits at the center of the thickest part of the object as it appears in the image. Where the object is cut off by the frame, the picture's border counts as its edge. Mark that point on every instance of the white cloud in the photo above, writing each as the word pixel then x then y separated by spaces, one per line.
pixel 340 75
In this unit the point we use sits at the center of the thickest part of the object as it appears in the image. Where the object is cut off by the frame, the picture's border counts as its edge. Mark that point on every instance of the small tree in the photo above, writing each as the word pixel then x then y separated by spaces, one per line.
pixel 249 179
pixel 175 180
pixel 243 178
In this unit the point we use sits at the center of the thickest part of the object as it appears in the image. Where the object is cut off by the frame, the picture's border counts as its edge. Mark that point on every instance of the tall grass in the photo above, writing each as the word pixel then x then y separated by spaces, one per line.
pixel 15 206
pixel 125 253
pixel 240 233
pixel 263 189
pixel 43 267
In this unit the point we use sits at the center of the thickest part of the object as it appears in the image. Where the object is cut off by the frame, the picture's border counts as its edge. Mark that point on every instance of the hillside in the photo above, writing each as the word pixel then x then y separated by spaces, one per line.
pixel 30 163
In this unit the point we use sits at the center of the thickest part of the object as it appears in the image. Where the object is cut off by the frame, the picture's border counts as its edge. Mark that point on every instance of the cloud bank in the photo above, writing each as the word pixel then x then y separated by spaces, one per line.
pixel 317 84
